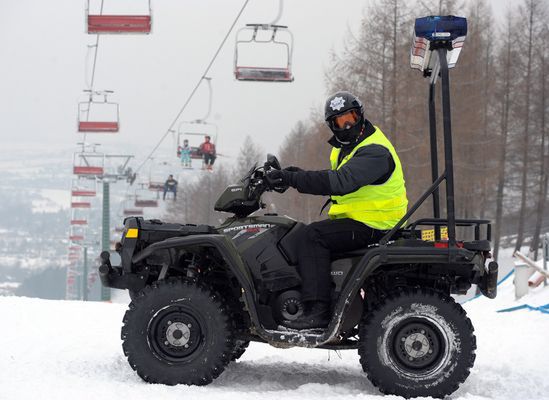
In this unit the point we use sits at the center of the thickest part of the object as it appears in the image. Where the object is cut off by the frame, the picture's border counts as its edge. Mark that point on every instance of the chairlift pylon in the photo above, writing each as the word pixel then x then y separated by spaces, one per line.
pixel 98 116
pixel 99 23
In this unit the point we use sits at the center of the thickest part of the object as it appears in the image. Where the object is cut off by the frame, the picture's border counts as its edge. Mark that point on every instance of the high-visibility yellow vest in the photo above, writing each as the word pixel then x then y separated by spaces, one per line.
pixel 379 206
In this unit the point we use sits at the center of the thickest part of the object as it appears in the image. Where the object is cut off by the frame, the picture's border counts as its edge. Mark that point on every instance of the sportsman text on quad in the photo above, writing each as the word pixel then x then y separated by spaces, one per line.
pixel 201 293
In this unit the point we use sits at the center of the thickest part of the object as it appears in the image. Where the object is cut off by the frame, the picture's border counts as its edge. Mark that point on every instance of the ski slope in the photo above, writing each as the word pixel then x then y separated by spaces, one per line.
pixel 72 350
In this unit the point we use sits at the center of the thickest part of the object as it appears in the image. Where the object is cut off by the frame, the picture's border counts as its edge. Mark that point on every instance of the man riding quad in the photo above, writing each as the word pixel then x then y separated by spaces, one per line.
pixel 368 196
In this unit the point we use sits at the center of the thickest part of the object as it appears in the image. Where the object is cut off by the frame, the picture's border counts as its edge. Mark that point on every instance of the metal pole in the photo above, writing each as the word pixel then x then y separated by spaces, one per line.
pixel 78 284
pixel 448 159
pixel 85 276
pixel 105 234
pixel 434 154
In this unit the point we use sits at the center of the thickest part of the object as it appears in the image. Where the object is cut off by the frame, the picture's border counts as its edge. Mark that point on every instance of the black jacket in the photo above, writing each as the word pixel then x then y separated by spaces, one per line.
pixel 372 164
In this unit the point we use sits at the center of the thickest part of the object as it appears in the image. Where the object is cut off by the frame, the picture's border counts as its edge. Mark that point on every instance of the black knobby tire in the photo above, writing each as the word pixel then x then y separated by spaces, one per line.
pixel 178 332
pixel 417 342
pixel 133 294
pixel 239 349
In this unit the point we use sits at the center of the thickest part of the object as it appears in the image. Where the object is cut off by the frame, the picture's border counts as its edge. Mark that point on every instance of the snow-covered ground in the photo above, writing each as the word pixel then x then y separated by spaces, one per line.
pixel 72 350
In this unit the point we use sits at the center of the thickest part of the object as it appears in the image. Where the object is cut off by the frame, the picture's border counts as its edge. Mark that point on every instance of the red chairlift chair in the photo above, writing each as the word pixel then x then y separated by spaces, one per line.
pixel 132 211
pixel 88 163
pixel 145 203
pixel 143 198
pixel 79 222
pixel 87 170
pixel 118 23
pixel 262 73
pixel 156 186
pixel 82 193
pixel 98 116
pixel 80 204
pixel 195 132
pixel 158 173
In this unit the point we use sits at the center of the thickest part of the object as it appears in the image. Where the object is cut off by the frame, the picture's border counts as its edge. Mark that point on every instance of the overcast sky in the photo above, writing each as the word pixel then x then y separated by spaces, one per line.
pixel 43 63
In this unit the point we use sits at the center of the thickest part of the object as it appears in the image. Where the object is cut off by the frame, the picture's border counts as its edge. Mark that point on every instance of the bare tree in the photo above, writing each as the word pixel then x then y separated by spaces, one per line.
pixel 504 82
pixel 530 7
pixel 544 157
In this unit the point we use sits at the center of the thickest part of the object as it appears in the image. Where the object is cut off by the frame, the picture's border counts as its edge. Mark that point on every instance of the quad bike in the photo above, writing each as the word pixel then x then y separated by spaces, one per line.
pixel 200 293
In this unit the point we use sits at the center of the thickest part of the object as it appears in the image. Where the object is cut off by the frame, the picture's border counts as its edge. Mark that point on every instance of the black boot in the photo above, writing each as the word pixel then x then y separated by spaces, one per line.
pixel 315 315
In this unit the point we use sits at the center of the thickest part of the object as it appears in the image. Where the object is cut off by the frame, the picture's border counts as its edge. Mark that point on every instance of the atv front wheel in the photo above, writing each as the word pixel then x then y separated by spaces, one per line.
pixel 417 342
pixel 178 332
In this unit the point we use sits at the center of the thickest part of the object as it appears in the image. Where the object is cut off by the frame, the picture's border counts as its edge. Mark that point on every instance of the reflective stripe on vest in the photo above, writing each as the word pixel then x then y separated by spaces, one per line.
pixel 379 206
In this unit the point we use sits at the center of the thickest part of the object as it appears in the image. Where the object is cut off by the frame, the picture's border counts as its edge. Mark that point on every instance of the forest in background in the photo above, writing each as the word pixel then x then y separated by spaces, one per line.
pixel 499 119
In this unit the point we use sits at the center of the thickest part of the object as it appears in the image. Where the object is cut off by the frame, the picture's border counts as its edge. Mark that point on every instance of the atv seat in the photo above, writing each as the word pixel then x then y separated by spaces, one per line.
pixel 402 242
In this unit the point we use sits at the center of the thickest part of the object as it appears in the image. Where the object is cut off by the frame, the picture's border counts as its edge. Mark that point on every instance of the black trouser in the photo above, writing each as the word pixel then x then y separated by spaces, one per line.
pixel 209 159
pixel 318 240
pixel 170 189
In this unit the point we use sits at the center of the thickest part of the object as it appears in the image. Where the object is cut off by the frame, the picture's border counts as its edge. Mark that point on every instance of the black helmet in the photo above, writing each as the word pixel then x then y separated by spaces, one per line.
pixel 341 103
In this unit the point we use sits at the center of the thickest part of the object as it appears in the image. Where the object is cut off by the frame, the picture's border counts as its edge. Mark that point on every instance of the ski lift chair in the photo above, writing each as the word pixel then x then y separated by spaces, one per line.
pixel 158 173
pixel 132 212
pixel 80 204
pixel 88 164
pixel 76 234
pixel 143 198
pixel 84 187
pixel 264 74
pixel 98 116
pixel 129 207
pixel 118 23
pixel 79 222
pixel 190 131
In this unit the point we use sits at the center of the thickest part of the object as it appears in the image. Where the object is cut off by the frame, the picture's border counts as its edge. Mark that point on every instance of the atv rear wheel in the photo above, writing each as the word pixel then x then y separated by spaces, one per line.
pixel 178 332
pixel 417 342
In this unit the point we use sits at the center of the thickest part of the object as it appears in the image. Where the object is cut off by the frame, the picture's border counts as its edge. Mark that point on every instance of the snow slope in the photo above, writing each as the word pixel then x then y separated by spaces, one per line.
pixel 72 350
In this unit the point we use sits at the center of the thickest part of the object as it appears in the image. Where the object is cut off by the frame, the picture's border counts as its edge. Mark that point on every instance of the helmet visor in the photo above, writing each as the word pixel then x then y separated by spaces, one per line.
pixel 345 121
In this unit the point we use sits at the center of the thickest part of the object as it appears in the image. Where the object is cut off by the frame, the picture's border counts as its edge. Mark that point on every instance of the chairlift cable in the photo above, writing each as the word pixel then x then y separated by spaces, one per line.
pixel 280 9
pixel 210 96
pixel 202 77
pixel 92 80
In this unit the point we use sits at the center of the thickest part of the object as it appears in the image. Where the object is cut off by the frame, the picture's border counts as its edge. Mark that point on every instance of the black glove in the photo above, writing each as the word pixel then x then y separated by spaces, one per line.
pixel 293 169
pixel 278 180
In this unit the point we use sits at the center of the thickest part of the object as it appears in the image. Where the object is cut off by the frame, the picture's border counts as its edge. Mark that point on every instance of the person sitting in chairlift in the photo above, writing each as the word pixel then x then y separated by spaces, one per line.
pixel 185 154
pixel 207 149
pixel 170 186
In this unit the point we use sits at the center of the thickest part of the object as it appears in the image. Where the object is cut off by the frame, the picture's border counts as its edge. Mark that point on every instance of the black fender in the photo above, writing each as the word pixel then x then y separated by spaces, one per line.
pixel 228 252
